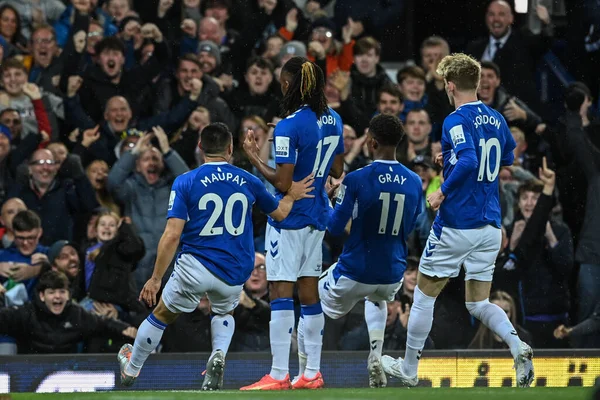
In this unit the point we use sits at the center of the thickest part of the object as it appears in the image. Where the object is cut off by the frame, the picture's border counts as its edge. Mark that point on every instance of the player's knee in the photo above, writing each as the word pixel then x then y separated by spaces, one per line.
pixel 477 308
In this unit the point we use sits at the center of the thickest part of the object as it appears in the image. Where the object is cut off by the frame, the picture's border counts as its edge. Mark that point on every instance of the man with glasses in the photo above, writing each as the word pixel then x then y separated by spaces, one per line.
pixel 57 200
pixel 46 65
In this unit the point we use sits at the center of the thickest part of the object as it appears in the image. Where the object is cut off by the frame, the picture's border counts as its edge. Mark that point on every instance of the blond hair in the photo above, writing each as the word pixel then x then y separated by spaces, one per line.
pixel 462 70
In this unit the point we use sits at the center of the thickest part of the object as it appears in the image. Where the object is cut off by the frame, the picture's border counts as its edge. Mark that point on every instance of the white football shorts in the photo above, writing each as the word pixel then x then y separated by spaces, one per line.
pixel 448 249
pixel 339 294
pixel 293 253
pixel 190 281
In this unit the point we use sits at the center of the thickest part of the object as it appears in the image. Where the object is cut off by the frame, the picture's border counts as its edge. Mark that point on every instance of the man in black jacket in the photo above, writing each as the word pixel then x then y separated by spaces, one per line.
pixel 516 53
pixel 542 251
pixel 52 324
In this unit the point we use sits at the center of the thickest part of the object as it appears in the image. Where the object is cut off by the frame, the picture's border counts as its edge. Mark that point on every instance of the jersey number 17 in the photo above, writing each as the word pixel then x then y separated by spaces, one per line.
pixel 331 142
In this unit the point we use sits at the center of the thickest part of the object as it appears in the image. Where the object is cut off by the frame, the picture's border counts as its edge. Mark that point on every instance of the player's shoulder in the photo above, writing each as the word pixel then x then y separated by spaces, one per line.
pixel 187 177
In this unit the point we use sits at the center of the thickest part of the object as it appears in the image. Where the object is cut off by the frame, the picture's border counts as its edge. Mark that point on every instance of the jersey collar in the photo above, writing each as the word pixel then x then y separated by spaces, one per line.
pixel 472 103
pixel 216 163
pixel 387 161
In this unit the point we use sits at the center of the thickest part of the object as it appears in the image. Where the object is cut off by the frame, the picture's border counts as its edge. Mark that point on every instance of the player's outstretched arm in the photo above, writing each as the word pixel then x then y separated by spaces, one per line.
pixel 166 251
pixel 298 190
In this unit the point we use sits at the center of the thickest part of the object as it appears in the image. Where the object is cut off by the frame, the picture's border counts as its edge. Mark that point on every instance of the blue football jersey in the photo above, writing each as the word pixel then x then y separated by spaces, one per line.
pixel 311 144
pixel 216 200
pixel 475 203
pixel 383 200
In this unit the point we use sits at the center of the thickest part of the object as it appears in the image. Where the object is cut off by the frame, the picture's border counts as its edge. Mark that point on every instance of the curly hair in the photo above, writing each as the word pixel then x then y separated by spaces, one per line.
pixel 462 70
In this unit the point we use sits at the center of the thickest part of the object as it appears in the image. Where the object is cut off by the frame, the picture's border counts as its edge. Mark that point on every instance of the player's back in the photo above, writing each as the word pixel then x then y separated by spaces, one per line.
pixel 311 143
pixel 475 203
pixel 218 200
pixel 387 200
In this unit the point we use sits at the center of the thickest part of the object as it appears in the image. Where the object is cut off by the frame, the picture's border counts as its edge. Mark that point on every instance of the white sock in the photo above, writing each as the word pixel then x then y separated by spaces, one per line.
pixel 496 319
pixel 221 329
pixel 280 331
pixel 419 326
pixel 148 337
pixel 376 316
pixel 314 323
pixel 301 349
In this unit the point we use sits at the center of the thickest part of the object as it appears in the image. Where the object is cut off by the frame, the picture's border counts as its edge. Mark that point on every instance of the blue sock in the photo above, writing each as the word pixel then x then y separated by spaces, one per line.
pixel 314 323
pixel 280 331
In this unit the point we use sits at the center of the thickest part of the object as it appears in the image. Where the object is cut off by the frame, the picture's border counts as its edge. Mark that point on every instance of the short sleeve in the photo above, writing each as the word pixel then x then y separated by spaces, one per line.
pixel 178 199
pixel 340 147
pixel 264 200
pixel 344 206
pixel 286 142
pixel 457 133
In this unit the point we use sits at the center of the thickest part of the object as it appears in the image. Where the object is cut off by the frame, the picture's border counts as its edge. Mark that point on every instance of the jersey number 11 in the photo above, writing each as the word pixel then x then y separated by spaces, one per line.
pixel 385 209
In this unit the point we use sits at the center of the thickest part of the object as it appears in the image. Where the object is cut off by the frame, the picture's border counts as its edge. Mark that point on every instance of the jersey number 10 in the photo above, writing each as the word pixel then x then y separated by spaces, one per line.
pixel 385 210
pixel 484 164
pixel 210 229
pixel 331 142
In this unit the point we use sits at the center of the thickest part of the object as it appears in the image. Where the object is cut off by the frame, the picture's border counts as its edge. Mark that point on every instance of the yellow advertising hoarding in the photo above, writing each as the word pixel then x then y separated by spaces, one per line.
pixel 466 372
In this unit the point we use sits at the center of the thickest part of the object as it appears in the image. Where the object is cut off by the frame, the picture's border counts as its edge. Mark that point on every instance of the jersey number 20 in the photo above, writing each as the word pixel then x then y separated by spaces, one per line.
pixel 331 142
pixel 484 164
pixel 210 229
pixel 385 210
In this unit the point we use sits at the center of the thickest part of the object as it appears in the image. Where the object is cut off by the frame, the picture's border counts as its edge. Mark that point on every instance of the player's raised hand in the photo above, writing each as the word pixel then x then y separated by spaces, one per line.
pixel 250 144
pixel 149 291
pixel 301 190
pixel 435 199
pixel 548 177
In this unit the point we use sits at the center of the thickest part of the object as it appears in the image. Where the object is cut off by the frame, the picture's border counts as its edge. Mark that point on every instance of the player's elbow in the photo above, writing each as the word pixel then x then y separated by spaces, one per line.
pixel 278 215
pixel 336 172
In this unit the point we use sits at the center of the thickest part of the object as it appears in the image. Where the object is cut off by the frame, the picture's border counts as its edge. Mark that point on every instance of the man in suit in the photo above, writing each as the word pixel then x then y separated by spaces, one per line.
pixel 517 53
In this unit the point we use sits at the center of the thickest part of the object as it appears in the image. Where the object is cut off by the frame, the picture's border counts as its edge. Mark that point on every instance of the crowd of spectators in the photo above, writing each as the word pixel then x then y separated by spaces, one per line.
pixel 101 105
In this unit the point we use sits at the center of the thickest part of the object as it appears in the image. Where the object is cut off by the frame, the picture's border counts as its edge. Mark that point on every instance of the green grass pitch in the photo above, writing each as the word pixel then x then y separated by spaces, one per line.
pixel 335 394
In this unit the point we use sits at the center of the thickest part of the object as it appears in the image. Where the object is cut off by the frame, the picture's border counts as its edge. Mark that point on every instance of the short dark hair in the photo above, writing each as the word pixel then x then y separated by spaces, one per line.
pixel 52 280
pixel 12 63
pixel 363 45
pixel 411 71
pixel 261 63
pixel 392 90
pixel 417 111
pixel 215 138
pixel 110 43
pixel 26 220
pixel 190 57
pixel 529 186
pixel 491 65
pixel 387 130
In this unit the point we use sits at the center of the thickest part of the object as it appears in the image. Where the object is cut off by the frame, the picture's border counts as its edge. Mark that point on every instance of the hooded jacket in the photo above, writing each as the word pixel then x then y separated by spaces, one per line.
pixel 39 331
pixel 365 89
pixel 209 98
